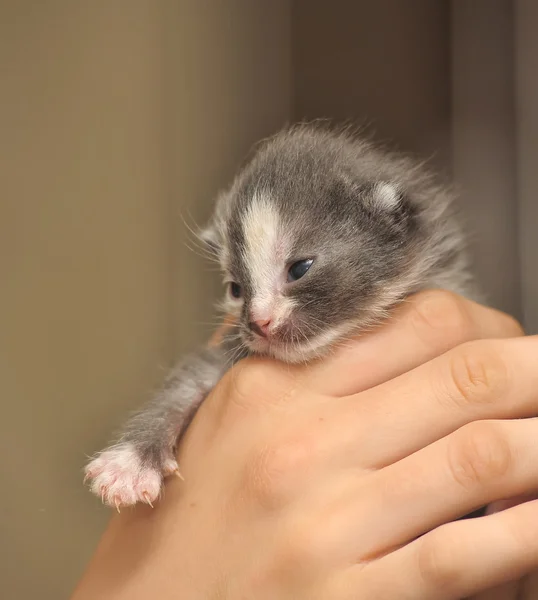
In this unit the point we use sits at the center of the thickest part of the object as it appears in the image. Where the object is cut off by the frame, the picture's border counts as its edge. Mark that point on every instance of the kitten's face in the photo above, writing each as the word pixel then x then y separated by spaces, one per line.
pixel 309 257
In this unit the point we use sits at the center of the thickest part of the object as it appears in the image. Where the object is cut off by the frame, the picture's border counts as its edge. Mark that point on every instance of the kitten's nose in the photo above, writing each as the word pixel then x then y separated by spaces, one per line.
pixel 260 326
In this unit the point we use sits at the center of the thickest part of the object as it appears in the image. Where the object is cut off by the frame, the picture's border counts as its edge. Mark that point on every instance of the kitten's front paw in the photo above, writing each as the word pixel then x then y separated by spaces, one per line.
pixel 120 478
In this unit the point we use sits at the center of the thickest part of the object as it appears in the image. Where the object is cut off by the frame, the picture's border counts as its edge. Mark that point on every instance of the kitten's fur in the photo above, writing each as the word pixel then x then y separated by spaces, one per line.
pixel 377 226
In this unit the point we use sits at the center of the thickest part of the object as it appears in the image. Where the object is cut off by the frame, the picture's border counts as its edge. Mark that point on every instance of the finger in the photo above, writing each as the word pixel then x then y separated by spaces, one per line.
pixel 483 462
pixel 505 591
pixel 422 328
pixel 457 559
pixel 509 502
pixel 529 587
pixel 487 379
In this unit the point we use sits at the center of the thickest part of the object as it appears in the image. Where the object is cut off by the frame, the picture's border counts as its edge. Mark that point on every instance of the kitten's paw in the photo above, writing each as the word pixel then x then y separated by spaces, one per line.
pixel 120 478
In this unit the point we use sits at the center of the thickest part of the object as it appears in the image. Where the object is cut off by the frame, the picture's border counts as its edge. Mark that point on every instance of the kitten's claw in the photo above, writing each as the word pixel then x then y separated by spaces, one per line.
pixel 178 474
pixel 170 467
pixel 120 478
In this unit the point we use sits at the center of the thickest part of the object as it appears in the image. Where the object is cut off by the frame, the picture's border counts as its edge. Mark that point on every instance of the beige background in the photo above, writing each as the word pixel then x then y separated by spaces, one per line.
pixel 120 120
pixel 116 117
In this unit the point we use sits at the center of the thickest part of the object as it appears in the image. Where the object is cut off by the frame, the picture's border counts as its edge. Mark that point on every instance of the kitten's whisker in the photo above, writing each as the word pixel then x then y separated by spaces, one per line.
pixel 199 252
pixel 199 243
pixel 233 354
pixel 316 320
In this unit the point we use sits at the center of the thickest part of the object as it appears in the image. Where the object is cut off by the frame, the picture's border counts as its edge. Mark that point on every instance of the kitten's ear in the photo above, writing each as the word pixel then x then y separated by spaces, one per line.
pixel 389 203
pixel 209 235
pixel 387 197
pixel 213 233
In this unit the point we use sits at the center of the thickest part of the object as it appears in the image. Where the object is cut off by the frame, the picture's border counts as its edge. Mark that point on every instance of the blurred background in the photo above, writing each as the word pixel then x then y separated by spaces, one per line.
pixel 121 119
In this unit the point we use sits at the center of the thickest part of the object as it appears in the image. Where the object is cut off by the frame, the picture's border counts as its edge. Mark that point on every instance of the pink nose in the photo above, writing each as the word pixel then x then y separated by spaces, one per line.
pixel 260 326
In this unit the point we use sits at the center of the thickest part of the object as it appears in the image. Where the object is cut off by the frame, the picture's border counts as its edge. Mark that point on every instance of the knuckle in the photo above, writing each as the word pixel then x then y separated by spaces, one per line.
pixel 273 471
pixel 252 376
pixel 249 382
pixel 440 316
pixel 479 454
pixel 478 374
pixel 513 326
pixel 437 564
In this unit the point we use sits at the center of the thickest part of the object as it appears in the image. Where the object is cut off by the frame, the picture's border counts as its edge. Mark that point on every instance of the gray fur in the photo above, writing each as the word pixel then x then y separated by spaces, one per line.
pixel 379 226
pixel 155 430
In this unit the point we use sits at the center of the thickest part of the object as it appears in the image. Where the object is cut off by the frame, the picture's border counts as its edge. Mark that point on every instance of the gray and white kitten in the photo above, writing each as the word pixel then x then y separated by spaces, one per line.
pixel 319 236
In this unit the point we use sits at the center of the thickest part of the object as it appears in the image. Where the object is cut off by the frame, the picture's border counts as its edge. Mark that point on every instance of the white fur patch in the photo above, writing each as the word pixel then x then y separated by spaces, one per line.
pixel 283 309
pixel 315 346
pixel 386 196
pixel 264 254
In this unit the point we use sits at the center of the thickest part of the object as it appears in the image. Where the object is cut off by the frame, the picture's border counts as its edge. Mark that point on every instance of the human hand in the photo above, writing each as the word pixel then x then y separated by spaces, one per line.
pixel 315 482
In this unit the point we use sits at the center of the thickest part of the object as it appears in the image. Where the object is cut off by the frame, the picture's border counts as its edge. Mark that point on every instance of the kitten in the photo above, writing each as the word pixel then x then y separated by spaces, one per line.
pixel 319 236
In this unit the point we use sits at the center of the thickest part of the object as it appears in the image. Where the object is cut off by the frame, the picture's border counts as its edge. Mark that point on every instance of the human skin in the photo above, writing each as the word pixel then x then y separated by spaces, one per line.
pixel 317 481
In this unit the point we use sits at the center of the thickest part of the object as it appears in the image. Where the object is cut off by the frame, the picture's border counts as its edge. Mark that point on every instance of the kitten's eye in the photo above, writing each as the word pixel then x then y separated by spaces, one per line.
pixel 299 269
pixel 235 290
